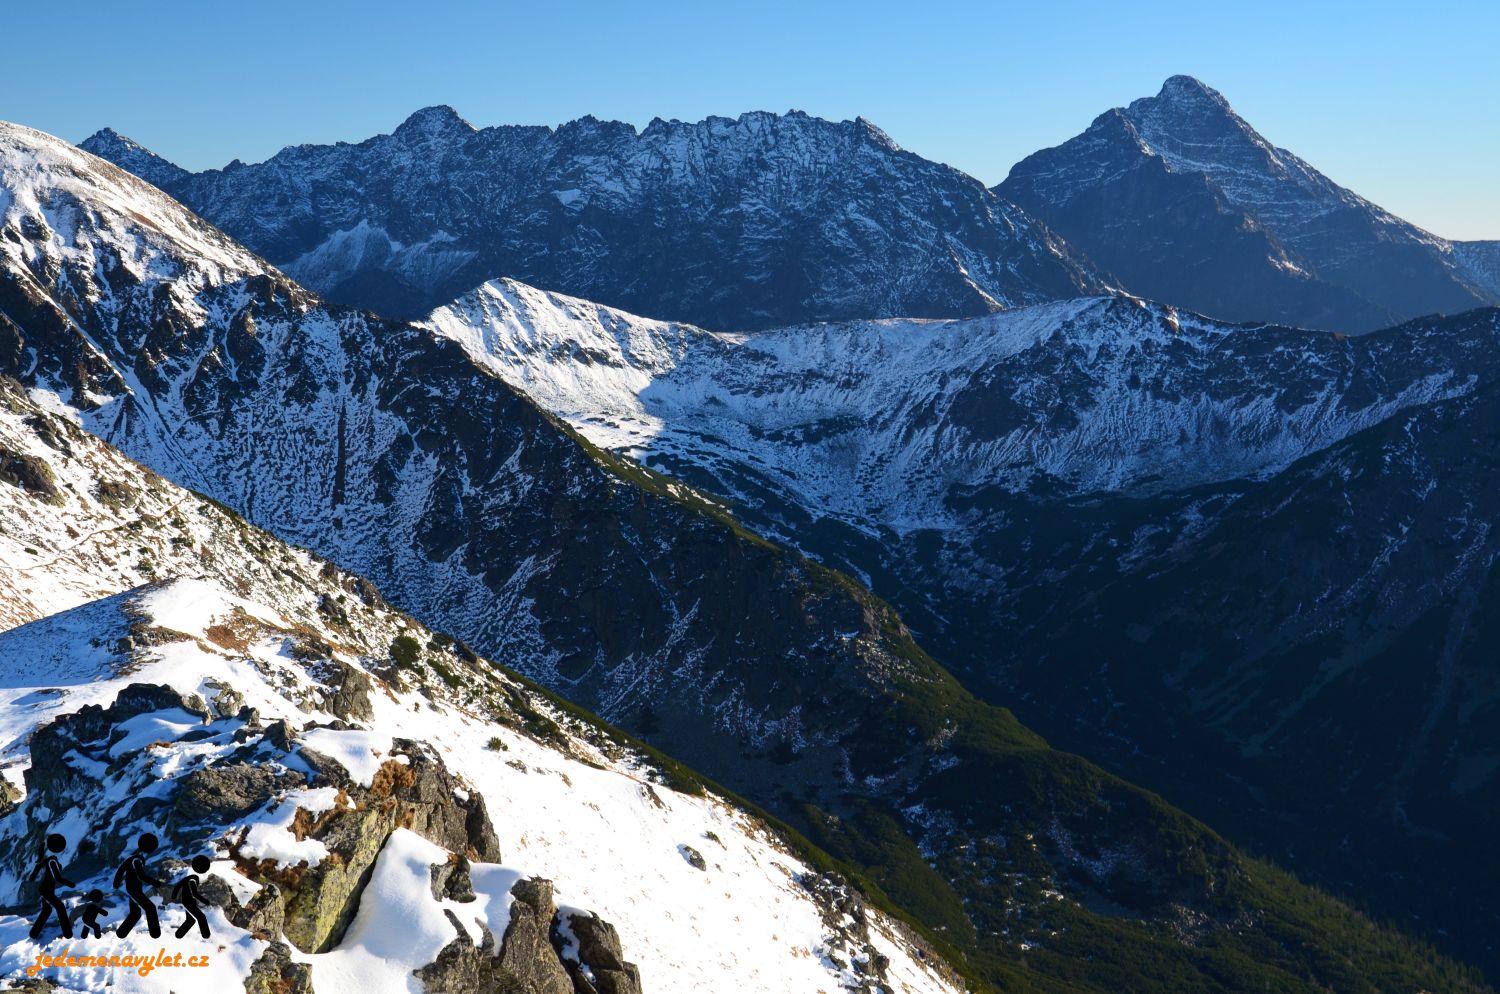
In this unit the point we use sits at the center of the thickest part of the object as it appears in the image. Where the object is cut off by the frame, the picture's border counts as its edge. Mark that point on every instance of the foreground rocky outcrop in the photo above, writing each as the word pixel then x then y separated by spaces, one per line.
pixel 97 761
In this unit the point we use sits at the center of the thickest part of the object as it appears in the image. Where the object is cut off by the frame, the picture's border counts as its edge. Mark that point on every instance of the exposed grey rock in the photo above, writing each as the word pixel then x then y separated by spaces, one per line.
pixel 349 693
pixel 847 931
pixel 225 792
pixel 413 790
pixel 281 734
pixel 451 880
pixel 226 700
pixel 600 967
pixel 31 474
pixel 528 959
pixel 275 973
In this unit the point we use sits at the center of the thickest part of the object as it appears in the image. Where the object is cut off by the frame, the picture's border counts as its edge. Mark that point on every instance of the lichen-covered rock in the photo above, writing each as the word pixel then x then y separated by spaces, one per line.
pixel 77 762
pixel 412 790
pixel 275 973
pixel 534 956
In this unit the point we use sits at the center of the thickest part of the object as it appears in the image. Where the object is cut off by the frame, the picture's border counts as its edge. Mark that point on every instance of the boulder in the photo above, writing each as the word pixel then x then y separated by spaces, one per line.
pixel 600 967
pixel 349 692
pixel 275 973
pixel 225 792
pixel 451 880
pixel 412 790
pixel 528 959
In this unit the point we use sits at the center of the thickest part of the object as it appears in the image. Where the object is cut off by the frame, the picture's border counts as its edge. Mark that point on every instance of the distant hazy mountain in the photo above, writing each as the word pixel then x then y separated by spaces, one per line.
pixel 1178 197
pixel 729 223
pixel 1248 564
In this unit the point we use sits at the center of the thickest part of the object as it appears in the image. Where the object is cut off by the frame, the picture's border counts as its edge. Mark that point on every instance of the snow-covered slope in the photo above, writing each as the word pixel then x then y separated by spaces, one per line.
pixel 236 619
pixel 749 222
pixel 884 423
pixel 1180 198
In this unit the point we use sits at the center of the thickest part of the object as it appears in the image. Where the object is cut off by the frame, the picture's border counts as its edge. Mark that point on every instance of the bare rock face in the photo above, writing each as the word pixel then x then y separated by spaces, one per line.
pixel 1181 199
pixel 349 692
pixel 536 955
pixel 229 791
pixel 594 958
pixel 755 222
pixel 527 956
pixel 412 790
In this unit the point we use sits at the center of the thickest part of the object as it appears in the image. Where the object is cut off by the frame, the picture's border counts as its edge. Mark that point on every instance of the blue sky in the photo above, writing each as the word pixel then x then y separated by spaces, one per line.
pixel 1400 102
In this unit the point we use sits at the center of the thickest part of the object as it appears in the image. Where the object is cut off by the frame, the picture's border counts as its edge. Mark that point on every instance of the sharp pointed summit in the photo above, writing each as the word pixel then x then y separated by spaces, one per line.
pixel 1182 199
pixel 133 157
pixel 437 121
pixel 1185 90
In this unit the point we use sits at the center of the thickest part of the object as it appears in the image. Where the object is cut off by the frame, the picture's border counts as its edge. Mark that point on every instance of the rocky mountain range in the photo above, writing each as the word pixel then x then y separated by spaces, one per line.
pixel 769 220
pixel 386 448
pixel 1183 201
pixel 749 222
pixel 1090 507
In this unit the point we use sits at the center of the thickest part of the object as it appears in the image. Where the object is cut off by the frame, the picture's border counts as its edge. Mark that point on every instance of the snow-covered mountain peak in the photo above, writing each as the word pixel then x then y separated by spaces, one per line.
pixel 1189 93
pixel 1182 200
pixel 878 422
pixel 132 156
pixel 63 200
pixel 1194 128
pixel 439 122
pixel 732 223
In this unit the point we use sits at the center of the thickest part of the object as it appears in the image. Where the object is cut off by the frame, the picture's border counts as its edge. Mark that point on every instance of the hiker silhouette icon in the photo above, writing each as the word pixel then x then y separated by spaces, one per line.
pixel 49 869
pixel 133 873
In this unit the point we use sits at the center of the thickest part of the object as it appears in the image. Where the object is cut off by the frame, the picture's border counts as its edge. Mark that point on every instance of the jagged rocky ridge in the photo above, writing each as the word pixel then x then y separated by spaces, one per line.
pixel 390 450
pixel 1181 200
pixel 383 805
pixel 730 223
pixel 1074 503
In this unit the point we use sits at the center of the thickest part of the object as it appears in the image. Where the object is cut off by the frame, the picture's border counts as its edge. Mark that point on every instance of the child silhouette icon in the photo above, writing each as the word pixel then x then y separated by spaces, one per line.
pixel 93 907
